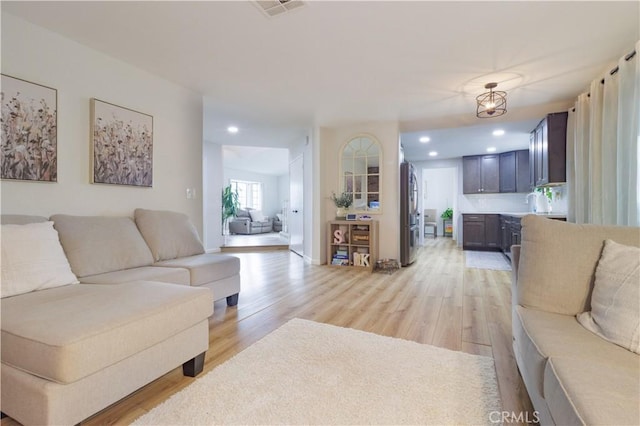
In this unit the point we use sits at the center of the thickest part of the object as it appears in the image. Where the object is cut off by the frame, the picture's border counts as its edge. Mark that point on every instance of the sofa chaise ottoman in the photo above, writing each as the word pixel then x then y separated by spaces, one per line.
pixel 69 349
pixel 574 375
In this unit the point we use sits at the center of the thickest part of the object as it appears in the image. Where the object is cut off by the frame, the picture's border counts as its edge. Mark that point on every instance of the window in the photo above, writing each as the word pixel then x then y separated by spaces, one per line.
pixel 249 193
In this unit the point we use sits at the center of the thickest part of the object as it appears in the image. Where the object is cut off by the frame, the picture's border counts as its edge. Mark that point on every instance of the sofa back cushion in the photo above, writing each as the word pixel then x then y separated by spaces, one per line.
pixel 615 301
pixel 257 216
pixel 558 260
pixel 32 259
pixel 243 213
pixel 169 234
pixel 99 244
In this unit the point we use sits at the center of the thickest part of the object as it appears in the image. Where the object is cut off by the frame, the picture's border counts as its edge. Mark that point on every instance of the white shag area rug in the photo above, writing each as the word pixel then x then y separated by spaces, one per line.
pixel 486 260
pixel 311 373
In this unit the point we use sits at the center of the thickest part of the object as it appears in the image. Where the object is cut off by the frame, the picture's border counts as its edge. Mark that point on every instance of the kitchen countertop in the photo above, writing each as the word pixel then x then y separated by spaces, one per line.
pixel 558 215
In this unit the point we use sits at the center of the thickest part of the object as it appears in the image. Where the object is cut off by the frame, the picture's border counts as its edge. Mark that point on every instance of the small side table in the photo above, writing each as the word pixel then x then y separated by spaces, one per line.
pixel 448 228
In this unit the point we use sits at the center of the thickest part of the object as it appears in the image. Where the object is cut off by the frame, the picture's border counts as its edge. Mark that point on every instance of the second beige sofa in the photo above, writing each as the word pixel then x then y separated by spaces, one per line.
pixel 572 375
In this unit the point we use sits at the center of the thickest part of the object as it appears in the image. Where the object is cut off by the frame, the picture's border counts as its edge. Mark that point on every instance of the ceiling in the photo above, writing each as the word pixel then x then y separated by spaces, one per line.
pixel 468 140
pixel 267 161
pixel 334 63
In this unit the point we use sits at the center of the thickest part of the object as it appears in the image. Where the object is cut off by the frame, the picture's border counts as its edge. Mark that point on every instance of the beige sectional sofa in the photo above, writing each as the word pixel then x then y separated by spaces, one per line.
pixel 140 310
pixel 157 245
pixel 572 375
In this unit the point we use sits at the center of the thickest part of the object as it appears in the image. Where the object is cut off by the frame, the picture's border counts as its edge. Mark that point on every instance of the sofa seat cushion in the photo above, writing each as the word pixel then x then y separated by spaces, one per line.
pixel 98 244
pixel 145 273
pixel 539 335
pixel 581 391
pixel 206 268
pixel 67 333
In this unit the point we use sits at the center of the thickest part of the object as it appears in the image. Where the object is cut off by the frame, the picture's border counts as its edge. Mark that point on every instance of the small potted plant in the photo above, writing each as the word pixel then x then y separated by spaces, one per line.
pixel 230 206
pixel 342 202
pixel 447 217
pixel 447 214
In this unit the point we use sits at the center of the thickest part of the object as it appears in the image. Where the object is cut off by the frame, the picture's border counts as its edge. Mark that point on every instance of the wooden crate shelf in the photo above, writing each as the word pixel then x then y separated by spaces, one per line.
pixel 354 245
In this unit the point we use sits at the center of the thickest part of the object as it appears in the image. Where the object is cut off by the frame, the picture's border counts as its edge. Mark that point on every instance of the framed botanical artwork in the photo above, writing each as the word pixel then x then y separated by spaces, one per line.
pixel 121 145
pixel 29 143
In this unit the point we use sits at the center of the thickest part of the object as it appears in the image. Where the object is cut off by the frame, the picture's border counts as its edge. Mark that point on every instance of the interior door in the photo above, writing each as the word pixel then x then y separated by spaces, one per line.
pixel 296 193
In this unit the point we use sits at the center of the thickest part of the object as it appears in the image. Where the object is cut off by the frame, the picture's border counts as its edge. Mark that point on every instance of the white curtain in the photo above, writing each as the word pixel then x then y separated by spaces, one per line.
pixel 603 135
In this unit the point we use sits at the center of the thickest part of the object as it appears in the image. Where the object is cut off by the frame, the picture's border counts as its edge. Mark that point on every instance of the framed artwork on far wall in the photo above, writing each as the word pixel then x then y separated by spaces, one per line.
pixel 29 144
pixel 121 145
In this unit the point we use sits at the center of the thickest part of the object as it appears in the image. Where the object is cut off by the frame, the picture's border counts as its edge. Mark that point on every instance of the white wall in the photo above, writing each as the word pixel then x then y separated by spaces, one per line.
pixel 270 188
pixel 308 148
pixel 438 189
pixel 212 195
pixel 79 74
pixel 283 190
pixel 331 142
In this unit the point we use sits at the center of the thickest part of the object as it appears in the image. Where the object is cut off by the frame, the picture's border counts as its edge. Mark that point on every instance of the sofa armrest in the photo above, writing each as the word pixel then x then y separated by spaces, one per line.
pixel 239 225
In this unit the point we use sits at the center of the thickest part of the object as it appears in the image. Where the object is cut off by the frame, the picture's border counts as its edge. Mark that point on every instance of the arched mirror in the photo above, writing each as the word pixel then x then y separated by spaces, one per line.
pixel 360 173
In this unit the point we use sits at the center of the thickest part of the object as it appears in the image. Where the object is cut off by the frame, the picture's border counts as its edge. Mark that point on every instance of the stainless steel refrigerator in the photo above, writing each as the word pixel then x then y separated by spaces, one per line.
pixel 409 227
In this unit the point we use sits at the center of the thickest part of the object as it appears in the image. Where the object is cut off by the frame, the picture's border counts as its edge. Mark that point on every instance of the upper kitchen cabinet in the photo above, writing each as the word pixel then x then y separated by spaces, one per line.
pixel 480 174
pixel 514 171
pixel 548 150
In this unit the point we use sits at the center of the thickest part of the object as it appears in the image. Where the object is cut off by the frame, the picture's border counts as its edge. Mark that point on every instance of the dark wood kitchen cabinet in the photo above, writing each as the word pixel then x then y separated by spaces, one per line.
pixel 505 234
pixel 514 171
pixel 548 150
pixel 473 231
pixel 522 171
pixel 508 172
pixel 510 230
pixel 480 174
pixel 481 231
pixel 492 237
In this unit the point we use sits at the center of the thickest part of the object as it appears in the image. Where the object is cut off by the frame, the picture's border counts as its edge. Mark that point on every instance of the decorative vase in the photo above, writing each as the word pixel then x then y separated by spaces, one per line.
pixel 341 212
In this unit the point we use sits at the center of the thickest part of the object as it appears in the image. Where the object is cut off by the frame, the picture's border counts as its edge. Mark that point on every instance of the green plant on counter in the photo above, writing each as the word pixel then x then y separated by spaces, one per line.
pixel 343 200
pixel 447 214
pixel 546 191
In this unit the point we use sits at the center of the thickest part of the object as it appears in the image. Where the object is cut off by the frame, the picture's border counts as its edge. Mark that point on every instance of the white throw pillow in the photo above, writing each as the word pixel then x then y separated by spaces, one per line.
pixel 32 259
pixel 615 302
pixel 257 216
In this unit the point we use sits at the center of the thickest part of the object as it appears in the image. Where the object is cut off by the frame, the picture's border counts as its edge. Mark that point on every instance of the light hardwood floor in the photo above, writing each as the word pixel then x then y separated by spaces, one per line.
pixel 436 301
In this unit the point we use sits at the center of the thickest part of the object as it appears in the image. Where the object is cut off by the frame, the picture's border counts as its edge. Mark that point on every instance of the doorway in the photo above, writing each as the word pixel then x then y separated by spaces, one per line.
pixel 260 178
pixel 439 193
pixel 296 214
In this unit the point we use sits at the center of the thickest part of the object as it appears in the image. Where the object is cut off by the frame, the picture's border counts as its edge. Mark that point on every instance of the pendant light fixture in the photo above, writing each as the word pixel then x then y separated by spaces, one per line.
pixel 492 103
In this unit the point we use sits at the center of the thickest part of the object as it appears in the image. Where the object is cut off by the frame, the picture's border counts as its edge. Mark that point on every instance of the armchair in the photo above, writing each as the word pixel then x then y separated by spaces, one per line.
pixel 250 221
pixel 277 223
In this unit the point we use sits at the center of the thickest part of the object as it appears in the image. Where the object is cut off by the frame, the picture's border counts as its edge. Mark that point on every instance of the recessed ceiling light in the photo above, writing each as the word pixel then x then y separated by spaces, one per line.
pixel 491 149
pixel 433 153
pixel 232 129
pixel 498 132
pixel 424 139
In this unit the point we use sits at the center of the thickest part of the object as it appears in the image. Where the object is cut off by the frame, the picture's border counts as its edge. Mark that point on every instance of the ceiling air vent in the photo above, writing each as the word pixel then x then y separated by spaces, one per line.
pixel 278 7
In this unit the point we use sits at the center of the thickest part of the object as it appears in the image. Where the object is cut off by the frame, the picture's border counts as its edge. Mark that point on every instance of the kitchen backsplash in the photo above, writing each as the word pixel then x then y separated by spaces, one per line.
pixel 559 201
pixel 514 203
